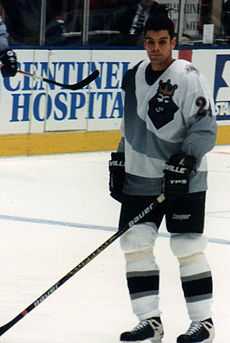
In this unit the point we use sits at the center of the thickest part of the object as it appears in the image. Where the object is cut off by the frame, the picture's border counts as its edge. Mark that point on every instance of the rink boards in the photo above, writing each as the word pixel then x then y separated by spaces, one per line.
pixel 38 118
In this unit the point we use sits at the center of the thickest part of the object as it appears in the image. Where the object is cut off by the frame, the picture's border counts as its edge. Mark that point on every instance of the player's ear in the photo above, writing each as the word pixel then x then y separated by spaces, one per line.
pixel 173 42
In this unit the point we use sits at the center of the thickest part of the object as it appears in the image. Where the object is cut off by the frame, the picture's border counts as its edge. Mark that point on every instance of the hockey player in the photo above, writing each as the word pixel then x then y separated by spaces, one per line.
pixel 169 126
pixel 8 57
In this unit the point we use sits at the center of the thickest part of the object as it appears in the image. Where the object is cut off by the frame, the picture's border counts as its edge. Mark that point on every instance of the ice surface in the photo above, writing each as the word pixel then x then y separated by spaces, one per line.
pixel 55 210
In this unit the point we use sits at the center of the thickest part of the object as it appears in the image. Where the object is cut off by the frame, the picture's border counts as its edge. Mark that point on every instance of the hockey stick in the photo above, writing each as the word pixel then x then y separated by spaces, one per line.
pixel 82 264
pixel 79 85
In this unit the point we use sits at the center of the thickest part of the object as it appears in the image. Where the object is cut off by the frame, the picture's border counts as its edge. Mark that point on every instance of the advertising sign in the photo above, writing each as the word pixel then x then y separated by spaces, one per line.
pixel 33 106
pixel 222 86
pixel 30 105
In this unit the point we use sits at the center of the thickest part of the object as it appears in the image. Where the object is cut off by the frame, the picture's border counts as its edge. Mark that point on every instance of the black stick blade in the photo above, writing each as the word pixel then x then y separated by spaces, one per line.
pixel 85 82
pixel 79 85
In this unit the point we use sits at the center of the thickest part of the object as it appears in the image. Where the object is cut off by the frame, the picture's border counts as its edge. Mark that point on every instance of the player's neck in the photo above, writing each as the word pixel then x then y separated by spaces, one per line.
pixel 161 66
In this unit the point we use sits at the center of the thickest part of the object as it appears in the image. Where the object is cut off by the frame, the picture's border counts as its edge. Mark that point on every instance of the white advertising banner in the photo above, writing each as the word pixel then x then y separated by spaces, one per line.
pixel 36 106
pixel 106 103
pixel 16 99
pixel 66 109
pixel 215 65
pixel 29 105
pixel 33 106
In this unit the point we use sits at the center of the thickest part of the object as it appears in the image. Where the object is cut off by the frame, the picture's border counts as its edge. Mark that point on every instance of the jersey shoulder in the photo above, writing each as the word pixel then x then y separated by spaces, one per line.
pixel 129 76
pixel 185 68
pixel 188 75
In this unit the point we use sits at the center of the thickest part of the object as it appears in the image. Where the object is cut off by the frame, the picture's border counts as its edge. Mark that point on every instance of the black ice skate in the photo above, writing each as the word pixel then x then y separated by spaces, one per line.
pixel 148 329
pixel 198 332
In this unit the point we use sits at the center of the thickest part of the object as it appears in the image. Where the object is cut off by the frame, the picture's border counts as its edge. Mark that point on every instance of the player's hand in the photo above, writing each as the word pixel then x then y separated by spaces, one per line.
pixel 9 63
pixel 177 174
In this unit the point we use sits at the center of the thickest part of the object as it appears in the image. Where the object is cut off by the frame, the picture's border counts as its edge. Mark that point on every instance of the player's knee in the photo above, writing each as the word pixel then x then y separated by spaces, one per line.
pixel 140 260
pixel 139 237
pixel 183 245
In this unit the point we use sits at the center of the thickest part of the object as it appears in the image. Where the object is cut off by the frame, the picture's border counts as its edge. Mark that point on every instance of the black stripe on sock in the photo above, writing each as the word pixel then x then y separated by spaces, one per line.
pixel 141 284
pixel 197 287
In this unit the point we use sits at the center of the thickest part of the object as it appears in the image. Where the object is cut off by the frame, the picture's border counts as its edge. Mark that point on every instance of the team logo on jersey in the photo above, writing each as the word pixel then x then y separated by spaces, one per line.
pixel 162 108
pixel 222 87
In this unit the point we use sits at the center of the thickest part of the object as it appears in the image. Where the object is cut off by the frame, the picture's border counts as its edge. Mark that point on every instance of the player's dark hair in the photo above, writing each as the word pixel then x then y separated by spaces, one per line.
pixel 159 20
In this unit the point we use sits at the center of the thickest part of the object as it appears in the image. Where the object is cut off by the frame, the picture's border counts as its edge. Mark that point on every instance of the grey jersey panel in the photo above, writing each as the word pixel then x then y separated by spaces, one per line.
pixel 196 144
pixel 160 120
pixel 136 185
pixel 146 142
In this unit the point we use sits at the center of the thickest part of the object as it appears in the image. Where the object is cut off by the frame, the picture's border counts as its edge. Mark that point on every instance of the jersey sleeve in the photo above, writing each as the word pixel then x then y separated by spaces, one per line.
pixel 128 89
pixel 199 115
pixel 125 87
pixel 121 145
pixel 3 36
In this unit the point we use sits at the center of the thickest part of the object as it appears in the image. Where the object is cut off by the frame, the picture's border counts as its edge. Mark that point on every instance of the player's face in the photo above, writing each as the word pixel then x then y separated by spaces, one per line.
pixel 159 46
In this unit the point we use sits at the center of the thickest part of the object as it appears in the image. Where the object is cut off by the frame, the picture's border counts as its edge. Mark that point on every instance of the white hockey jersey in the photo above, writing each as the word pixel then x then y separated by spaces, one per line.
pixel 174 114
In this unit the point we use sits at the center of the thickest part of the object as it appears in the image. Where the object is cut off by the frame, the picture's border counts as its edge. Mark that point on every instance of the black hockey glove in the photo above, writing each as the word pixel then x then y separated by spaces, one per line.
pixel 9 60
pixel 177 173
pixel 116 175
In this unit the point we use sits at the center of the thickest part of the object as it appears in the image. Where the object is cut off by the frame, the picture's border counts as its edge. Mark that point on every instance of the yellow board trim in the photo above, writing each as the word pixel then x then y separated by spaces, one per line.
pixel 58 142
pixel 69 142
pixel 223 135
